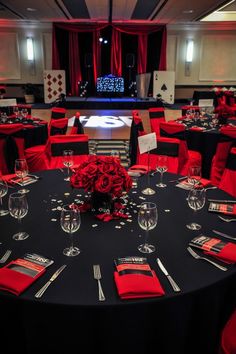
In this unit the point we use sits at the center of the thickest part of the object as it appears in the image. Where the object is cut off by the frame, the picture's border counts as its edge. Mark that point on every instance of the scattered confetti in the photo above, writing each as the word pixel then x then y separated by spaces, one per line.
pixel 118 227
pixel 167 210
pixel 53 219
pixel 94 225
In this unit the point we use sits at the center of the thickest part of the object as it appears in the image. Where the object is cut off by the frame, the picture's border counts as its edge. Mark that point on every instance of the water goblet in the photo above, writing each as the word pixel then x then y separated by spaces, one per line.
pixel 147 220
pixel 161 167
pixel 194 175
pixel 68 162
pixel 196 201
pixel 21 171
pixel 70 223
pixel 18 208
pixel 3 191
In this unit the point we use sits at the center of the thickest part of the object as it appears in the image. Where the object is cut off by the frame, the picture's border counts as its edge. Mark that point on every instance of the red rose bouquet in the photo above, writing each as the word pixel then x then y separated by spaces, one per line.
pixel 103 174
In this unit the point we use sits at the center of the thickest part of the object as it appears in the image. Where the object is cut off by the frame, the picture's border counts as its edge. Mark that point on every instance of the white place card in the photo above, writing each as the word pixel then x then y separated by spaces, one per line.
pixel 147 142
pixel 205 103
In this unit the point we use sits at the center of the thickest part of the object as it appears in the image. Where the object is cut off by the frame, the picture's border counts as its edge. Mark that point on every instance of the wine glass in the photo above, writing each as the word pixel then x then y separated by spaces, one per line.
pixel 196 201
pixel 3 191
pixel 70 223
pixel 161 167
pixel 68 162
pixel 147 220
pixel 21 171
pixel 18 207
pixel 194 175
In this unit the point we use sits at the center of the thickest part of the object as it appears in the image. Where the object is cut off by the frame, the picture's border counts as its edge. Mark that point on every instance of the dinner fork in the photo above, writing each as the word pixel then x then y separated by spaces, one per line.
pixel 5 257
pixel 226 219
pixel 97 276
pixel 196 255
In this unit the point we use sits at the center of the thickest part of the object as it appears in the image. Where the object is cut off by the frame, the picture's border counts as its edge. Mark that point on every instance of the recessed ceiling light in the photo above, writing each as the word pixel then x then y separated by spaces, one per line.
pixel 188 11
pixel 31 9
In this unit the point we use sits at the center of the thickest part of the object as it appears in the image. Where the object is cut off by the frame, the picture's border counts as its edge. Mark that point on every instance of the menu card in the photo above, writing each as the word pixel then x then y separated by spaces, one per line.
pixel 222 208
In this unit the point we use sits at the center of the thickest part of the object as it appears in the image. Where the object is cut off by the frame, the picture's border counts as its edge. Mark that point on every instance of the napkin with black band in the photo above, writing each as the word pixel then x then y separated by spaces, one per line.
pixel 223 250
pixel 135 279
pixel 19 274
pixel 224 208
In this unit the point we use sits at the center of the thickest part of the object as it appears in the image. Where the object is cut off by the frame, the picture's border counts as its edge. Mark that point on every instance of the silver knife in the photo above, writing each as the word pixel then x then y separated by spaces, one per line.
pixel 53 277
pixel 221 201
pixel 224 235
pixel 171 280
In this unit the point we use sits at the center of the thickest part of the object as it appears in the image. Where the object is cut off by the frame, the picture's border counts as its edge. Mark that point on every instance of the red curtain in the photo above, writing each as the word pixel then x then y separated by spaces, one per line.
pixel 142 53
pixel 116 57
pixel 74 62
pixel 162 62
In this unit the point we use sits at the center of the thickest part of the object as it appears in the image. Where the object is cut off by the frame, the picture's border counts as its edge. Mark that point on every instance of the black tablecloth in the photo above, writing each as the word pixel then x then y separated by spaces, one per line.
pixel 69 316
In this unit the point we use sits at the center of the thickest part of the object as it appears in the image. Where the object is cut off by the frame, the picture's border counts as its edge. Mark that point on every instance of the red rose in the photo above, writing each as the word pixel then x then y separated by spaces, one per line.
pixel 103 184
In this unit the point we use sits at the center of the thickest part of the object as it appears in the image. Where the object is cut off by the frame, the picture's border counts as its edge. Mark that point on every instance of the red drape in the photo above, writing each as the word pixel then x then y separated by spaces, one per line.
pixel 55 53
pixel 74 62
pixel 162 62
pixel 116 57
pixel 142 53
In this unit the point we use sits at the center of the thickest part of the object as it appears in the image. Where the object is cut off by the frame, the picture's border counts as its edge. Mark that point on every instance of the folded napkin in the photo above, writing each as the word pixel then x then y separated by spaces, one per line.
pixel 14 277
pixel 226 254
pixel 197 128
pixel 131 286
pixel 141 169
pixel 203 182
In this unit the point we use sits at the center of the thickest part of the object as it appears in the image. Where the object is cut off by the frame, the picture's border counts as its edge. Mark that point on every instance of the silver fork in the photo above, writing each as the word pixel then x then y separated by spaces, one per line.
pixel 97 276
pixel 5 257
pixel 226 219
pixel 195 255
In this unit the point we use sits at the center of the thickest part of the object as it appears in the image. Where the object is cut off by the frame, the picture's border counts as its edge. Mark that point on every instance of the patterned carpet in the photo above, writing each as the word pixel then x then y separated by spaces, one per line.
pixel 105 147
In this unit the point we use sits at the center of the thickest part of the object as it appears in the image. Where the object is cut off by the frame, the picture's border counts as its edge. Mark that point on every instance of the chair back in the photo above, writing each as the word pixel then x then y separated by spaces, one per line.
pixel 58 112
pixel 77 127
pixel 58 126
pixel 136 130
pixel 156 115
pixel 228 180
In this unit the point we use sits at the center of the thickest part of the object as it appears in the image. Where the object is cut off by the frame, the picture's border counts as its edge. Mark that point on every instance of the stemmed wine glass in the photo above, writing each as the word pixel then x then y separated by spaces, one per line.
pixel 3 191
pixel 21 171
pixel 194 175
pixel 70 223
pixel 147 220
pixel 18 207
pixel 196 201
pixel 68 162
pixel 161 167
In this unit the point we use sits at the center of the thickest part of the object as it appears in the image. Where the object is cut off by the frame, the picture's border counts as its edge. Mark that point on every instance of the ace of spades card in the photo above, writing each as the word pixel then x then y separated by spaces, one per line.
pixel 54 84
pixel 164 85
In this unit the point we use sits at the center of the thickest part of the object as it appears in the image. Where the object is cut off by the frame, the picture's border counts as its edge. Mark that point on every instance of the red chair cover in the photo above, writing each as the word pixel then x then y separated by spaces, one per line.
pixel 58 112
pixel 227 139
pixel 165 146
pixel 228 180
pixel 36 158
pixel 58 126
pixel 77 127
pixel 228 337
pixel 187 157
pixel 156 115
pixel 11 146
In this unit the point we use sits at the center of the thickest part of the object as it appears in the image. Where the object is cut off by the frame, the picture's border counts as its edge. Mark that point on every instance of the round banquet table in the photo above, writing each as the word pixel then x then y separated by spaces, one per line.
pixel 69 316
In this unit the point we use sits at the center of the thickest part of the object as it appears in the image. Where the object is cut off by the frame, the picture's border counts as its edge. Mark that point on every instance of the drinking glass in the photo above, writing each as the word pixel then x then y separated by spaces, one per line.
pixel 147 220
pixel 21 170
pixel 3 191
pixel 196 201
pixel 18 207
pixel 70 223
pixel 68 162
pixel 194 175
pixel 161 167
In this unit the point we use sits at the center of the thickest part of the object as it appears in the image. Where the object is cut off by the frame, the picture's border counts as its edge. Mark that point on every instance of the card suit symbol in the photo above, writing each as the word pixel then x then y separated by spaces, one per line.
pixel 60 89
pixel 49 76
pixel 54 80
pixel 59 82
pixel 163 87
pixel 55 93
pixel 49 96
pixel 49 83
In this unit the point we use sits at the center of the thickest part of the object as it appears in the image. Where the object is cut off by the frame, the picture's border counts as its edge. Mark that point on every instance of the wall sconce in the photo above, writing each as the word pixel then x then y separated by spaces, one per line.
pixel 189 57
pixel 30 49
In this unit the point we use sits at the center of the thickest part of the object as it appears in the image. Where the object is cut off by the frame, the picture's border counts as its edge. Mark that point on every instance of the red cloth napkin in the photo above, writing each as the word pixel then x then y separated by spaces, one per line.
pixel 14 281
pixel 132 286
pixel 197 129
pixel 227 254
pixel 203 182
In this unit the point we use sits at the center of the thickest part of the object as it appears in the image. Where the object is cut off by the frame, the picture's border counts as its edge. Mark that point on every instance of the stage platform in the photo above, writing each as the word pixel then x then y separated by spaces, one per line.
pixel 111 103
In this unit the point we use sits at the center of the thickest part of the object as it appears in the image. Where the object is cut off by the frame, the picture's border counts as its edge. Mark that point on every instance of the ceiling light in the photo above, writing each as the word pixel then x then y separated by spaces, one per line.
pixel 30 49
pixel 31 9
pixel 189 51
pixel 188 11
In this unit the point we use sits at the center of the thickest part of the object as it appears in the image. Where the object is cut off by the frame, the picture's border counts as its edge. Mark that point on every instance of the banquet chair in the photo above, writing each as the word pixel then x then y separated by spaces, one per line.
pixel 49 156
pixel 136 130
pixel 156 115
pixel 228 179
pixel 11 146
pixel 228 338
pixel 77 127
pixel 58 112
pixel 165 146
pixel 58 126
pixel 188 157
pixel 226 141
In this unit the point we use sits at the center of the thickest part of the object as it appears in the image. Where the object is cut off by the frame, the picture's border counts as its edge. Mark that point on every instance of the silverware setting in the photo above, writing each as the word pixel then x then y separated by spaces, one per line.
pixel 196 256
pixel 175 287
pixel 226 219
pixel 53 277
pixel 178 179
pixel 224 235
pixel 5 257
pixel 97 276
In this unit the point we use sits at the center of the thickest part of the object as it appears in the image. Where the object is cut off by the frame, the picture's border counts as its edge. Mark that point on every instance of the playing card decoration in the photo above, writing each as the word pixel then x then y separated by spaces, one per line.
pixel 54 84
pixel 164 85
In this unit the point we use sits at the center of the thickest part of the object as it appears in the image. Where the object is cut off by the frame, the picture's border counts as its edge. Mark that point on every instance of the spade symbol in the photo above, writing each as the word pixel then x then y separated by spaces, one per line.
pixel 163 87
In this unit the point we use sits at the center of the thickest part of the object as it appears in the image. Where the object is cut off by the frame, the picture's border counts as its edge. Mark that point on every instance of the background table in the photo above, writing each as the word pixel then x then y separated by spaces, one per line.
pixel 69 315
